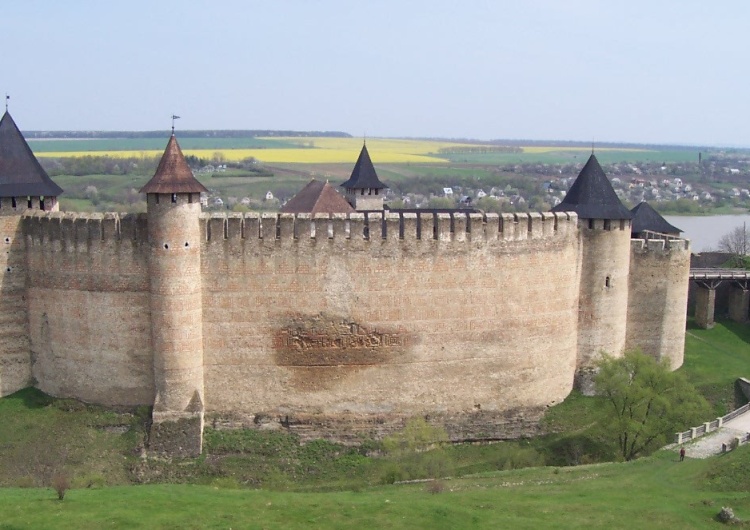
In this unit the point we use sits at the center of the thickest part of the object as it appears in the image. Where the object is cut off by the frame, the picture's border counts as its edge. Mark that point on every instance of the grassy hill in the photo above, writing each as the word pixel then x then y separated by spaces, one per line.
pixel 521 484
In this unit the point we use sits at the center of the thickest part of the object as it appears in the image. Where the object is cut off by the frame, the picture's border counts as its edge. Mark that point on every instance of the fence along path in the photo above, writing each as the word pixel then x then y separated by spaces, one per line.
pixel 713 437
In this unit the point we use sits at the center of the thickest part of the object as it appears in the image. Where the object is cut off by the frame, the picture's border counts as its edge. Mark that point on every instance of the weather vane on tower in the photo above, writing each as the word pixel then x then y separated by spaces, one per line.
pixel 174 117
pixel 7 98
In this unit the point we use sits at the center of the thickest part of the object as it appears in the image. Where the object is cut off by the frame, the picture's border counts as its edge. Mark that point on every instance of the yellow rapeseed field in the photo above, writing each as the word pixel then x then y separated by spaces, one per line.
pixel 312 150
pixel 324 150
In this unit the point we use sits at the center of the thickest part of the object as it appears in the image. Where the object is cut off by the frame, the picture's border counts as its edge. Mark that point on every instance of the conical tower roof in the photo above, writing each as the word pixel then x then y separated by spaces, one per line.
pixel 363 174
pixel 646 218
pixel 21 175
pixel 592 196
pixel 173 175
pixel 317 197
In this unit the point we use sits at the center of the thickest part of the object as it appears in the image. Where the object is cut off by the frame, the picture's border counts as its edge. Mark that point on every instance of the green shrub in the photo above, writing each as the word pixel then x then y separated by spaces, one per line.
pixel 417 435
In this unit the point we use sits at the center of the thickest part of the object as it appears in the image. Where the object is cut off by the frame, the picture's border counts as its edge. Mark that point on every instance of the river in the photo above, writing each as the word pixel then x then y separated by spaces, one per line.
pixel 704 231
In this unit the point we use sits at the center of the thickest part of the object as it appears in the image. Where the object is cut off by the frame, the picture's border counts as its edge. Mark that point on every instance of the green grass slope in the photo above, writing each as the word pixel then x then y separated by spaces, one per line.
pixel 655 492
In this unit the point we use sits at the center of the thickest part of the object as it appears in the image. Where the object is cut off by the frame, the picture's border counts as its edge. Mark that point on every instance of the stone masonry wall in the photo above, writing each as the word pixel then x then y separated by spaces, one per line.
pixel 15 360
pixel 657 302
pixel 88 303
pixel 331 326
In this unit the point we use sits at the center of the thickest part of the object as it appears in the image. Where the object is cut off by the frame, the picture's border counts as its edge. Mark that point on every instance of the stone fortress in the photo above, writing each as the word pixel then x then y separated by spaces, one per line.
pixel 329 325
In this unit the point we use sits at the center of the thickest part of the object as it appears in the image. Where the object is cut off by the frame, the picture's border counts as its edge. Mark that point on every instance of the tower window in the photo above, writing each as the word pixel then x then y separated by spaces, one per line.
pixel 591 224
pixel 174 198
pixel 156 197
pixel 362 191
pixel 13 202
pixel 41 203
pixel 28 202
pixel 607 282
pixel 607 224
pixel 190 198
pixel 376 192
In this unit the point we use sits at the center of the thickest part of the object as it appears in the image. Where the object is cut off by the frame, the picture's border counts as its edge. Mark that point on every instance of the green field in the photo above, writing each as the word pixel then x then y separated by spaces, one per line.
pixel 570 156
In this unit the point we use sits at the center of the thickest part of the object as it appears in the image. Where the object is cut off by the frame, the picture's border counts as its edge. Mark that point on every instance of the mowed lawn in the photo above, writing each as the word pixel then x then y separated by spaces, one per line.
pixel 655 492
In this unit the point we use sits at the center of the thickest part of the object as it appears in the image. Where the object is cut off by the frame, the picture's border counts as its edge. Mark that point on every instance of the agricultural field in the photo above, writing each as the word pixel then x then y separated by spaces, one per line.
pixel 328 150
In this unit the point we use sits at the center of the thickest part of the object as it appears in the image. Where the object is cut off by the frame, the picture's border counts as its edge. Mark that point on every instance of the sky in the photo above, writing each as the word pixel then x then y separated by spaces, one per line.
pixel 645 71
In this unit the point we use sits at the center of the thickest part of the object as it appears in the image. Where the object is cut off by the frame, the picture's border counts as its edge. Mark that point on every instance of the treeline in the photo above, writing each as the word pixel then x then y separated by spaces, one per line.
pixel 99 165
pixel 206 133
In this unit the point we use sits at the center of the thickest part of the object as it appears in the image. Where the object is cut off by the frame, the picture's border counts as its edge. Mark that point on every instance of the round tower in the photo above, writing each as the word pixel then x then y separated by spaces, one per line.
pixel 173 206
pixel 604 228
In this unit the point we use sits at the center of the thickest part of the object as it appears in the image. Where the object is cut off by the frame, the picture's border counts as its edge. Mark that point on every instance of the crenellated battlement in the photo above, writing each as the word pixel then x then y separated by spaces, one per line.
pixel 388 226
pixel 77 229
pixel 663 245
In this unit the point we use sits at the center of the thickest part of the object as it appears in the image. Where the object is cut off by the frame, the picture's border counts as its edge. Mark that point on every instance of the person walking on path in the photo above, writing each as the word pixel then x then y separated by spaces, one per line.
pixel 682 454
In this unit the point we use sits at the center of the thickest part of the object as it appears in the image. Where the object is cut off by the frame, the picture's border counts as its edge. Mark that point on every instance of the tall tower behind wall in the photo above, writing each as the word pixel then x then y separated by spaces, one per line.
pixel 364 191
pixel 24 186
pixel 604 225
pixel 658 292
pixel 173 204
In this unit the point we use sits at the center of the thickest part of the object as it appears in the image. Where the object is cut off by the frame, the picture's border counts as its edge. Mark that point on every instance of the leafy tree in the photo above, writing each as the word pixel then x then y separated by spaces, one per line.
pixel 644 402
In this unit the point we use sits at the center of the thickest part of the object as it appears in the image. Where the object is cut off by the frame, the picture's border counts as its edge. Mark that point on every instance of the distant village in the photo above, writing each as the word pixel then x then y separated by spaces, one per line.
pixel 678 188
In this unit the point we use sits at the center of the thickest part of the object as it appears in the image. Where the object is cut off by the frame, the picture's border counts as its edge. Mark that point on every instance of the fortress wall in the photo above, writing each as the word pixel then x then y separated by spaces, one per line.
pixel 657 303
pixel 15 357
pixel 319 321
pixel 605 259
pixel 88 300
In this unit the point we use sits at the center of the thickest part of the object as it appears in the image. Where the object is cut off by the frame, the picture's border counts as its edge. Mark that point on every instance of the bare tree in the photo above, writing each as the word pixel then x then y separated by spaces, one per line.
pixel 737 241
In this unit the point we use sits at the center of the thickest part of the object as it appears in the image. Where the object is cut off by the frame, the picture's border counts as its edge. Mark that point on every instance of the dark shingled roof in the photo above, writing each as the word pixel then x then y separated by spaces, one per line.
pixel 317 197
pixel 592 196
pixel 646 218
pixel 21 175
pixel 173 175
pixel 363 174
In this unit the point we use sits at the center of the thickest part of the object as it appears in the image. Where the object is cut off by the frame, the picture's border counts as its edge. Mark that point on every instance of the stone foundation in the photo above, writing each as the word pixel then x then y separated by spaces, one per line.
pixel 178 437
pixel 353 429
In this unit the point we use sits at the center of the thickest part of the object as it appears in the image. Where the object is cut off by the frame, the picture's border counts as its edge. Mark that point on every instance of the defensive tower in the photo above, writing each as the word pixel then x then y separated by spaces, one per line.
pixel 173 205
pixel 364 191
pixel 657 297
pixel 604 225
pixel 24 186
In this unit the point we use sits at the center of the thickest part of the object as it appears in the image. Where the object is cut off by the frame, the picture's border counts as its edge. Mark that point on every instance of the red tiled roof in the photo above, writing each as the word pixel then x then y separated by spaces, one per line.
pixel 173 174
pixel 317 197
